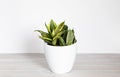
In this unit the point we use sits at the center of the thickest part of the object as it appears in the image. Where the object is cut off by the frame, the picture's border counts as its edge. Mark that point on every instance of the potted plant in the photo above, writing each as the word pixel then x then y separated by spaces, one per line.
pixel 60 46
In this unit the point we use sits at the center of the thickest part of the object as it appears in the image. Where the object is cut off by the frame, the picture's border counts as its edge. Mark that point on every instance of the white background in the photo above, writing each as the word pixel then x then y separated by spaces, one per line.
pixel 96 23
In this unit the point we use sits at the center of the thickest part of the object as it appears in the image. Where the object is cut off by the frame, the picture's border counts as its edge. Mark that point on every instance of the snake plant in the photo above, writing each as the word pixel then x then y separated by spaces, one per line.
pixel 57 35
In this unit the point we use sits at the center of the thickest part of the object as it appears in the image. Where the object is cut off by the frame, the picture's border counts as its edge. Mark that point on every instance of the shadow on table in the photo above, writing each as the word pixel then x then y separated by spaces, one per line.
pixel 34 52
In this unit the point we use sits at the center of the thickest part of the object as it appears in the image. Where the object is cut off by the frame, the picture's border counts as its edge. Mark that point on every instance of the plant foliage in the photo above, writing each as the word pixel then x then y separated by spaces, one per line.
pixel 57 35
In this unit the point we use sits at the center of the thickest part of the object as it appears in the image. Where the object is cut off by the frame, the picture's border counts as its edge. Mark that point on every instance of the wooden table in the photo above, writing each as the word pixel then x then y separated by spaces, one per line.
pixel 34 65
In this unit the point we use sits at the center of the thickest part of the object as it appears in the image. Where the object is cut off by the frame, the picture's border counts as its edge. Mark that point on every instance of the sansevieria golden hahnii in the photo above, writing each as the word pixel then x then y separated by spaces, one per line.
pixel 57 34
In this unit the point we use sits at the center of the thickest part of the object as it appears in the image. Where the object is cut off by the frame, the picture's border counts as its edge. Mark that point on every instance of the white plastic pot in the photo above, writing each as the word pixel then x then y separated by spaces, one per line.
pixel 60 58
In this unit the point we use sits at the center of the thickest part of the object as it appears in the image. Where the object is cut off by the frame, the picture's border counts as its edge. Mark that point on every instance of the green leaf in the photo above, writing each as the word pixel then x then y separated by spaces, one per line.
pixel 48 42
pixel 52 25
pixel 53 33
pixel 59 28
pixel 55 24
pixel 48 28
pixel 62 42
pixel 65 35
pixel 54 42
pixel 70 37
pixel 58 35
pixel 45 38
pixel 74 41
pixel 65 27
pixel 44 34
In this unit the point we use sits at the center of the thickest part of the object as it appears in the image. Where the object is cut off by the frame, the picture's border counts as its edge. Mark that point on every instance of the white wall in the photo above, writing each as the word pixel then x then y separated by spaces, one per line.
pixel 97 24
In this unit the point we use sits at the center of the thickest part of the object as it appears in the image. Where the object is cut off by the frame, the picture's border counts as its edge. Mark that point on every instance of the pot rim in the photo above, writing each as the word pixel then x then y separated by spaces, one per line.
pixel 60 46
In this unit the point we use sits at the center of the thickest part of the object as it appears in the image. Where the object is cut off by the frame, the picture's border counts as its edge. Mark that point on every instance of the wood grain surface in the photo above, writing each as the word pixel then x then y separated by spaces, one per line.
pixel 35 65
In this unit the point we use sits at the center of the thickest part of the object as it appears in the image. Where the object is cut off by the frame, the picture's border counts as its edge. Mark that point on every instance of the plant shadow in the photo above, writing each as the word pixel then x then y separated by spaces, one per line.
pixel 34 52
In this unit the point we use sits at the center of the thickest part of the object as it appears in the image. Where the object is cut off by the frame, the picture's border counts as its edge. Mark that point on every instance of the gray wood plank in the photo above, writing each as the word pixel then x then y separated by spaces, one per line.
pixel 34 65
